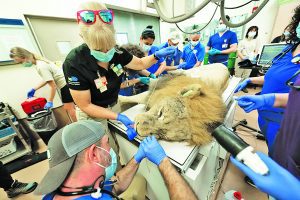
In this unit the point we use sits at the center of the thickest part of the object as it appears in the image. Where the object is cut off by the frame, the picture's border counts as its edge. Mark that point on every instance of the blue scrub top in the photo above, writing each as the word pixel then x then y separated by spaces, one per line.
pixel 277 75
pixel 191 56
pixel 155 66
pixel 221 43
pixel 128 91
pixel 176 58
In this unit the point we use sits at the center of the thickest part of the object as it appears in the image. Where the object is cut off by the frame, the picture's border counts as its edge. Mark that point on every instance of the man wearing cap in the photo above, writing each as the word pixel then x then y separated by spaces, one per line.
pixel 193 52
pixel 173 62
pixel 82 166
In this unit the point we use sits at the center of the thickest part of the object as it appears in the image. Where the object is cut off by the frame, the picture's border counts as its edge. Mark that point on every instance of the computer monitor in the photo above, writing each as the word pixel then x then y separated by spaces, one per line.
pixel 269 51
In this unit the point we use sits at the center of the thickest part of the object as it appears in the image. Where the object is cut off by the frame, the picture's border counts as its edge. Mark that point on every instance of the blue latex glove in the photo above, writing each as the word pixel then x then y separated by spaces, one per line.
pixel 213 52
pixel 48 105
pixel 131 133
pixel 30 93
pixel 279 183
pixel 181 65
pixel 140 154
pixel 145 80
pixel 125 120
pixel 242 85
pixel 253 102
pixel 153 150
pixel 163 53
pixel 153 76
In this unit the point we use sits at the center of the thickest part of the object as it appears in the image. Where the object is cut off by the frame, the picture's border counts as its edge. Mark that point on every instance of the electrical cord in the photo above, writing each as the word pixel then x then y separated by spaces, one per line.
pixel 201 6
pixel 195 31
pixel 237 6
pixel 231 25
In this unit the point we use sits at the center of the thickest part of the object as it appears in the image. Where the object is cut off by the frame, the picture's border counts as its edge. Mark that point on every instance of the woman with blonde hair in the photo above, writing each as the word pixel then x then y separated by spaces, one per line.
pixel 94 70
pixel 51 75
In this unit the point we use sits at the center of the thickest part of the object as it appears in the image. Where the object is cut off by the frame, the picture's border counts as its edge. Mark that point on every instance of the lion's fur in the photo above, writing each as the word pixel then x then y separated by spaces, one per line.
pixel 200 111
pixel 185 106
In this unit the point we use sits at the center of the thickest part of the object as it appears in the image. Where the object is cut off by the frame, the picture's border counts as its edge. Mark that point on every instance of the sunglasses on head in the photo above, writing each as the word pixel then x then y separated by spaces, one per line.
pixel 89 16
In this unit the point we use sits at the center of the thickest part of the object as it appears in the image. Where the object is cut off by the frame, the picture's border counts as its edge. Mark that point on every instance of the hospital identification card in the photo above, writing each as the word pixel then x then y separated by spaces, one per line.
pixel 101 83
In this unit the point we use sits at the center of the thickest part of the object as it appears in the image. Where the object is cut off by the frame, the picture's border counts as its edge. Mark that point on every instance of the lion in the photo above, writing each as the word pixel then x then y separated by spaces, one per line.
pixel 182 108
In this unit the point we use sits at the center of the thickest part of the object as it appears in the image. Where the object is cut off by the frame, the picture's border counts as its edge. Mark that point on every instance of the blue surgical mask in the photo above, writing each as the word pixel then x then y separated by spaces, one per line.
pixel 298 31
pixel 146 48
pixel 194 43
pixel 103 57
pixel 111 169
pixel 221 28
pixel 27 64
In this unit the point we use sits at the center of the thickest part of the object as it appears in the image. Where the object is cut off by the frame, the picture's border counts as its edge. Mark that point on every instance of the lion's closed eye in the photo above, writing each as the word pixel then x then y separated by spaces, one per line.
pixel 160 114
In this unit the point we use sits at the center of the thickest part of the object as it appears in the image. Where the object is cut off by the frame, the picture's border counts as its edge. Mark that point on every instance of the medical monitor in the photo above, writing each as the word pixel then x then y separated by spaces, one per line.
pixel 268 52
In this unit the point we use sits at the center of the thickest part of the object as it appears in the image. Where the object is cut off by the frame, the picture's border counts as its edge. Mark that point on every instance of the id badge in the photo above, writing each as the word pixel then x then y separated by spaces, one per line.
pixel 117 69
pixel 224 46
pixel 101 83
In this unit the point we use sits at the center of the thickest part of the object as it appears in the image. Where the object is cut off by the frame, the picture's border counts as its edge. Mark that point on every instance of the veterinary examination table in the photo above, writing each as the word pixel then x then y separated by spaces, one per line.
pixel 202 167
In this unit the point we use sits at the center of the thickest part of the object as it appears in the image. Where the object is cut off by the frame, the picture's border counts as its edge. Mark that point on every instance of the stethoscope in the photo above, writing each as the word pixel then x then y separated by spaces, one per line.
pixel 95 192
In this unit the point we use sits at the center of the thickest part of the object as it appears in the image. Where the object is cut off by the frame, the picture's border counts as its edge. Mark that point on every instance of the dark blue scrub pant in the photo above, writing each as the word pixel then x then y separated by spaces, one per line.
pixel 269 124
pixel 5 178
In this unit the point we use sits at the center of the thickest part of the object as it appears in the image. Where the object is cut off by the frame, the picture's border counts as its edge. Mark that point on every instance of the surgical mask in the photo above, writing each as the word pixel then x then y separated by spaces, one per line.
pixel 298 31
pixel 111 169
pixel 251 34
pixel 146 48
pixel 27 64
pixel 286 33
pixel 194 43
pixel 103 57
pixel 221 28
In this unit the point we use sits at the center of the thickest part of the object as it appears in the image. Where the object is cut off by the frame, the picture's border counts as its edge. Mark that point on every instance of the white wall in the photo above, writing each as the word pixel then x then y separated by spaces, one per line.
pixel 16 80
pixel 264 20
pixel 285 13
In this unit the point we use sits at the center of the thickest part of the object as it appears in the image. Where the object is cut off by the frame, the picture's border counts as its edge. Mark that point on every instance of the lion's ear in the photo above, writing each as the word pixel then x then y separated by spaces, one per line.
pixel 191 91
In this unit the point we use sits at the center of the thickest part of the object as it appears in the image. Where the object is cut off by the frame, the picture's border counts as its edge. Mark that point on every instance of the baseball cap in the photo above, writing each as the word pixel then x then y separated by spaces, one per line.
pixel 63 147
pixel 174 37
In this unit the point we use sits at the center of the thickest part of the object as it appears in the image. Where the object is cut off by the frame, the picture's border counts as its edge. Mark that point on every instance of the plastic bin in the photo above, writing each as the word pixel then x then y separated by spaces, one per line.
pixel 44 123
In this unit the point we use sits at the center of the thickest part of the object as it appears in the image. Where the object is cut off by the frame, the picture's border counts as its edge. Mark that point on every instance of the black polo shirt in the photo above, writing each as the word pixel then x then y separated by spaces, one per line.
pixel 80 69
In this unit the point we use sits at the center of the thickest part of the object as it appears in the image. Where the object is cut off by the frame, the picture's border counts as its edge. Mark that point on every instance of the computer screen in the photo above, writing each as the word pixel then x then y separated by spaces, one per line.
pixel 269 51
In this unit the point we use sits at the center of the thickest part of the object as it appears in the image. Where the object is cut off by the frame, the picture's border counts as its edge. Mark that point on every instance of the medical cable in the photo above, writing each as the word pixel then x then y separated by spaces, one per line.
pixel 231 25
pixel 240 6
pixel 200 7
pixel 195 31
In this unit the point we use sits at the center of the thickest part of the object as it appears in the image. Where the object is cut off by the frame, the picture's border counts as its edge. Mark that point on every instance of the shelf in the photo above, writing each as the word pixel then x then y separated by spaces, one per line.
pixel 23 148
pixel 21 151
pixel 8 136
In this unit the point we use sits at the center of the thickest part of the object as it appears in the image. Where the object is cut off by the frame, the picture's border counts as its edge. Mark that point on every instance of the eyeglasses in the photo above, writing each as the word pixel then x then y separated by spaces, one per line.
pixel 290 83
pixel 89 16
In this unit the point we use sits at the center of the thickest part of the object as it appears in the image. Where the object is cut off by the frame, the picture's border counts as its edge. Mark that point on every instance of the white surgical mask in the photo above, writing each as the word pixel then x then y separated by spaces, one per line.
pixel 251 34
pixel 286 33
pixel 221 28
pixel 146 48
pixel 194 43
pixel 298 31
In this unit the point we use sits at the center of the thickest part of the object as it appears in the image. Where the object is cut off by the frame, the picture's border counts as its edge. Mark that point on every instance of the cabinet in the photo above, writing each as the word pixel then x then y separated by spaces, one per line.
pixel 22 146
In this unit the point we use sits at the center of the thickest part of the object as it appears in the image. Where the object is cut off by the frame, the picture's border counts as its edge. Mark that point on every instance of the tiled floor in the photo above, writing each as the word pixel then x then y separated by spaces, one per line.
pixel 233 179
